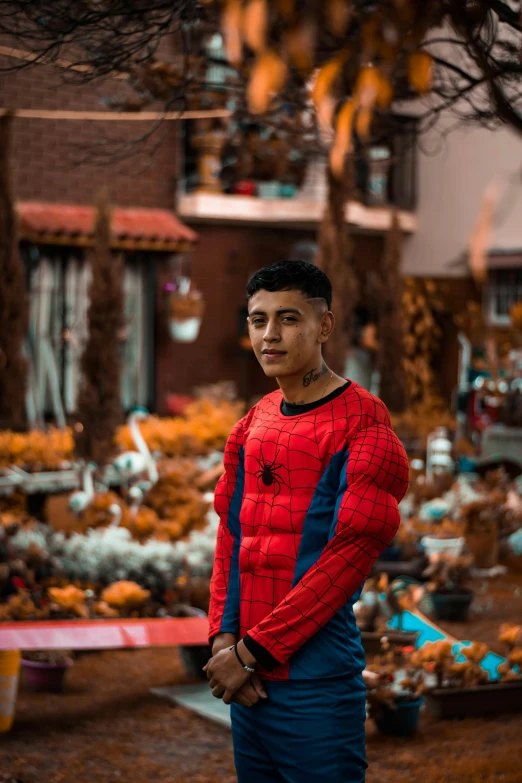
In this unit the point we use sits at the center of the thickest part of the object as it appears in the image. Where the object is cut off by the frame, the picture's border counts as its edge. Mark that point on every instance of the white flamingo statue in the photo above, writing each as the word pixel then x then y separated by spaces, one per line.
pixel 132 464
pixel 115 510
pixel 135 498
pixel 81 499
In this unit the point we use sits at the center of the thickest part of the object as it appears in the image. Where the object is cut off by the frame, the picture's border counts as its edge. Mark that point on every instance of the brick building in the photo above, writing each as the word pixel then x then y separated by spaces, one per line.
pixel 51 165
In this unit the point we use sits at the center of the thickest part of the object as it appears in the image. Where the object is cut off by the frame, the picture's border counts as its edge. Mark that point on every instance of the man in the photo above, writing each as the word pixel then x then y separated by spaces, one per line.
pixel 313 477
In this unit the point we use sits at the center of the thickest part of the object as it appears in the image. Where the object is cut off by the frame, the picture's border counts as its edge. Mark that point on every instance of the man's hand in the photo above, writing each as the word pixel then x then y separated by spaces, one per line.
pixel 225 675
pixel 251 692
pixel 223 641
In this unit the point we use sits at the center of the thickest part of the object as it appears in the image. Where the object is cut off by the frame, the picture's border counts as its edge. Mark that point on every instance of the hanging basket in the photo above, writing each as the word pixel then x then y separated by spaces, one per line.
pixel 184 330
pixel 186 308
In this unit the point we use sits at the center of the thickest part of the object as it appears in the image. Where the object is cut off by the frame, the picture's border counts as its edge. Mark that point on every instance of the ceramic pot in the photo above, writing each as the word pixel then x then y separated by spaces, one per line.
pixel 453 606
pixel 402 721
pixel 45 677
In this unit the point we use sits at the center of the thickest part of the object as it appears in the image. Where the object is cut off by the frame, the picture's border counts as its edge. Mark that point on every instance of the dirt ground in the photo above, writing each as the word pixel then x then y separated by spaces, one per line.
pixel 107 727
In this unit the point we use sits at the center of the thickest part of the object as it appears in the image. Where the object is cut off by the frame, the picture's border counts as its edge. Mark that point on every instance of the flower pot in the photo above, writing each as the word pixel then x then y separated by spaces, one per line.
pixel 245 187
pixel 268 189
pixel 372 640
pixel 475 702
pixel 194 658
pixel 401 721
pixel 9 672
pixel 287 191
pixel 394 568
pixel 210 146
pixel 484 548
pixel 185 330
pixel 452 606
pixel 45 677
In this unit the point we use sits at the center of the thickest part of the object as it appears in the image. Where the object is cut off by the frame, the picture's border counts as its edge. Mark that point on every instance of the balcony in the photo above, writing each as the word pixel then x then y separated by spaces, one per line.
pixel 385 177
pixel 297 212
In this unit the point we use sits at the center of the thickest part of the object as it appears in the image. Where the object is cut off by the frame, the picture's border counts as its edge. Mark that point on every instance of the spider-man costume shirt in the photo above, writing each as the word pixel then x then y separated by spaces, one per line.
pixel 306 505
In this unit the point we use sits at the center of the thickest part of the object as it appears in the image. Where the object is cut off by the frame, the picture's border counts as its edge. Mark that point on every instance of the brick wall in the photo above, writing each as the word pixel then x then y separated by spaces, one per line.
pixel 47 153
pixel 222 261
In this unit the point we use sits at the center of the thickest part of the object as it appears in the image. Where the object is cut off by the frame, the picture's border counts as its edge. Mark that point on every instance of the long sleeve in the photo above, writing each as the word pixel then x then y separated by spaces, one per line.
pixel 224 586
pixel 367 518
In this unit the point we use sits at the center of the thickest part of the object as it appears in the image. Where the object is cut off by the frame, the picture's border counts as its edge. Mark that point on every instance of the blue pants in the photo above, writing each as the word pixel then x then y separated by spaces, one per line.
pixel 307 731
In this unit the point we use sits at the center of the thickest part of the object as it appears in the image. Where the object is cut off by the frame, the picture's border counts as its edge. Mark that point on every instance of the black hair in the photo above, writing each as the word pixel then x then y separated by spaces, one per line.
pixel 292 276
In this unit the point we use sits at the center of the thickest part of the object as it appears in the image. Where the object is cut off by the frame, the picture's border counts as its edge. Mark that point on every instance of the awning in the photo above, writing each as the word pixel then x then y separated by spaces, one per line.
pixel 132 228
pixel 505 259
pixel 497 258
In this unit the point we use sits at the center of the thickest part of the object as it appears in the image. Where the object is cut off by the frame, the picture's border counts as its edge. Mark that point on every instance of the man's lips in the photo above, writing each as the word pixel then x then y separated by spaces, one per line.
pixel 273 354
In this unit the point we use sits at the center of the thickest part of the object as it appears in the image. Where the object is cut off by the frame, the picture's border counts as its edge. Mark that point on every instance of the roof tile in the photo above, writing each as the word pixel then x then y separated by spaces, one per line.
pixel 127 223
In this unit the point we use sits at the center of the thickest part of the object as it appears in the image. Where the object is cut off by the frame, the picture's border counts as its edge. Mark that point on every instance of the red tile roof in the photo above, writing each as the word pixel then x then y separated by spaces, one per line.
pixel 74 221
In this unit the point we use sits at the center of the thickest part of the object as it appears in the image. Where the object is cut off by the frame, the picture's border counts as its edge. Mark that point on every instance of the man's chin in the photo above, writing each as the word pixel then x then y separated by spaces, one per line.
pixel 272 371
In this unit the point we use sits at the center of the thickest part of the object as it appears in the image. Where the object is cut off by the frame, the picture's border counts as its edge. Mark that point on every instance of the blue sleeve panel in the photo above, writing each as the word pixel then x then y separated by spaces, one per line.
pixel 230 620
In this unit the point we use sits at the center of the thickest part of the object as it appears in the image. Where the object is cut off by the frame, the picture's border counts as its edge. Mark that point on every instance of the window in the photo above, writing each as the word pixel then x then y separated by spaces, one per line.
pixel 503 291
pixel 59 284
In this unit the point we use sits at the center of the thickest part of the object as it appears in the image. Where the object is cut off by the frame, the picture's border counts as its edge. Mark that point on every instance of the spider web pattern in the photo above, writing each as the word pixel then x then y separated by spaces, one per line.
pixel 276 615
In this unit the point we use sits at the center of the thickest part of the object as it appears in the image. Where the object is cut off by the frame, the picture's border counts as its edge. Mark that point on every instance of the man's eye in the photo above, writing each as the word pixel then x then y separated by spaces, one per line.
pixel 257 322
pixel 289 318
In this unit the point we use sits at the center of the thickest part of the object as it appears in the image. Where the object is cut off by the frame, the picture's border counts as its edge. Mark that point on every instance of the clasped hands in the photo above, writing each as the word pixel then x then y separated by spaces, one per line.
pixel 227 678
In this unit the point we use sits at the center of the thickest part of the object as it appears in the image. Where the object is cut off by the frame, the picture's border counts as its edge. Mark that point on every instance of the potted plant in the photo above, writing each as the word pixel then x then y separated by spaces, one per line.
pixel 395 700
pixel 461 687
pixel 44 670
pixel 446 537
pixel 447 575
pixel 379 601
pixel 481 532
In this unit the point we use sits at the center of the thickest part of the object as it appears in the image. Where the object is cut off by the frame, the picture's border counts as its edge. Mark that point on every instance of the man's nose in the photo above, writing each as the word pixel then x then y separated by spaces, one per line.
pixel 271 332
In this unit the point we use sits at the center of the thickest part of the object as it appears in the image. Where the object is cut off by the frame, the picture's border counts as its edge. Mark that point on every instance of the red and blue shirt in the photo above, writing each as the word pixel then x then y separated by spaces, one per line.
pixel 307 503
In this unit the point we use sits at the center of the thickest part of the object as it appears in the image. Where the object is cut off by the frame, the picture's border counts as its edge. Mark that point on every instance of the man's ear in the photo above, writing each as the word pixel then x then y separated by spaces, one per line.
pixel 327 326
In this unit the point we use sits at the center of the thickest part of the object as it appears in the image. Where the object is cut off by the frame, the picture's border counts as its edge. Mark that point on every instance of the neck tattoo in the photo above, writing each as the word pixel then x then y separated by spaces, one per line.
pixel 314 375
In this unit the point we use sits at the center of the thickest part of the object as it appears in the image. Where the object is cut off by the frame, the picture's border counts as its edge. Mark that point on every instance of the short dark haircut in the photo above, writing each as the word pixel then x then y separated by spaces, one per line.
pixel 292 276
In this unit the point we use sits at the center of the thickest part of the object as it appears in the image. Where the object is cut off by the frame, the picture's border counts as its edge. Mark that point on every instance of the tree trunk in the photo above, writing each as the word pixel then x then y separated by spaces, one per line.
pixel 393 386
pixel 335 258
pixel 99 400
pixel 14 300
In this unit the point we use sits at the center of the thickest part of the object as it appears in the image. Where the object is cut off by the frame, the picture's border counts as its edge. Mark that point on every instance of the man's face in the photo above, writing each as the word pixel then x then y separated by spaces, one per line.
pixel 287 330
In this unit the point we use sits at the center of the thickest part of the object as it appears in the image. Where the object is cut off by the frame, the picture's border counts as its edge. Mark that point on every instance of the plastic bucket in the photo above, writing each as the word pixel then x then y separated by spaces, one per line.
pixel 402 721
pixel 9 672
pixel 448 546
pixel 47 677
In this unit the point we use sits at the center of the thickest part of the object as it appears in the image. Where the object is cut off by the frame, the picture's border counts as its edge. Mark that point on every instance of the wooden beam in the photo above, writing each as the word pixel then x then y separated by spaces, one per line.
pixel 80 240
pixel 118 116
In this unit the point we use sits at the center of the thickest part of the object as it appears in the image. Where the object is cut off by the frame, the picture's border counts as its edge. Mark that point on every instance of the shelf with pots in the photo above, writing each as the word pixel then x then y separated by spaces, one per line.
pixel 248 174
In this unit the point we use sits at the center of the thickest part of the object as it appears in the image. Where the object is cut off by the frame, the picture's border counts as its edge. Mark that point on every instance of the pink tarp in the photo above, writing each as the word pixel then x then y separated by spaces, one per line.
pixel 102 634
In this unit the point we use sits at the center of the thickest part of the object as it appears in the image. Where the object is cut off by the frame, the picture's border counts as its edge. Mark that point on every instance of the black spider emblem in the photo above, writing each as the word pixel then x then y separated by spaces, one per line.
pixel 268 473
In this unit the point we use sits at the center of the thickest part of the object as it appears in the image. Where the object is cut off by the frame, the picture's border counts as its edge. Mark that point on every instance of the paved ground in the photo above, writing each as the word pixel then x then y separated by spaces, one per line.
pixel 108 727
